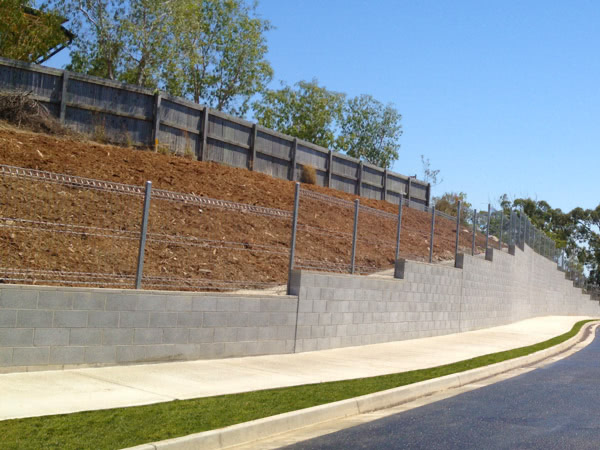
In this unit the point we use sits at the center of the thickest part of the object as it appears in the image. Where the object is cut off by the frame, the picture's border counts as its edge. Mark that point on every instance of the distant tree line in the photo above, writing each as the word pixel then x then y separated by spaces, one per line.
pixel 213 52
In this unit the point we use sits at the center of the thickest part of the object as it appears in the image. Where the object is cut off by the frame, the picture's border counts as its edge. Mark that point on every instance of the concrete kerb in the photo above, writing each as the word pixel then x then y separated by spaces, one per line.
pixel 269 426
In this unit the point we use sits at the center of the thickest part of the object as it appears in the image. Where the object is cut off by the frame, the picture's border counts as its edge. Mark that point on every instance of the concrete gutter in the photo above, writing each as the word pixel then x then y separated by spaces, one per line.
pixel 269 426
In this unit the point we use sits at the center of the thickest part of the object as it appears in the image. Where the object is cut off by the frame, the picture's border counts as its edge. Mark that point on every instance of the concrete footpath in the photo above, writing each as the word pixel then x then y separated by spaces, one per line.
pixel 58 392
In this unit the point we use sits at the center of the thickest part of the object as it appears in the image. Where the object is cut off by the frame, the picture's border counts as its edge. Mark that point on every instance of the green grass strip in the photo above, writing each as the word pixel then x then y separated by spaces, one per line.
pixel 126 427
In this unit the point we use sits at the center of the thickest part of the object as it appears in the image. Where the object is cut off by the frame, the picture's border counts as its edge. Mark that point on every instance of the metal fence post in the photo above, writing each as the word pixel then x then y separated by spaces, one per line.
pixel 501 229
pixel 432 232
pixel 294 230
pixel 474 232
pixel 398 230
pixel 143 231
pixel 457 230
pixel 356 208
pixel 487 230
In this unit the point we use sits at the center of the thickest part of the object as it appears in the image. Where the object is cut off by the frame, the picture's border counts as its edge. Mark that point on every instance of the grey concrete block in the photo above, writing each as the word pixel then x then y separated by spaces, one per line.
pixel 187 351
pixel 121 302
pixel 162 353
pixel 137 319
pixel 225 335
pixel 163 319
pixel 148 302
pixel 258 319
pixel 55 300
pixel 85 336
pixel 233 349
pixel 16 337
pixel 131 353
pixel 100 355
pixel 190 319
pixel 287 333
pixel 117 336
pixel 50 336
pixel 67 355
pixel 17 297
pixel 31 356
pixel 179 303
pixel 211 351
pixel 202 303
pixel 271 347
pixel 148 336
pixel 238 320
pixel 246 334
pixel 228 304
pixel 216 319
pixel 6 356
pixel 201 335
pixel 8 318
pixel 37 319
pixel 267 333
pixel 90 301
pixel 250 304
pixel 283 318
pixel 101 319
pixel 176 335
pixel 70 319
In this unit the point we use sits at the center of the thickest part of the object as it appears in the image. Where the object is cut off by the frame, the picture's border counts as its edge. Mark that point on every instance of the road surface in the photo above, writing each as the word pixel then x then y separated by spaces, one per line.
pixel 554 407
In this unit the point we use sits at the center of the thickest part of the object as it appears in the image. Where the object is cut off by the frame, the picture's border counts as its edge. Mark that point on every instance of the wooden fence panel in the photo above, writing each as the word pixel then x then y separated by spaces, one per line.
pixel 121 113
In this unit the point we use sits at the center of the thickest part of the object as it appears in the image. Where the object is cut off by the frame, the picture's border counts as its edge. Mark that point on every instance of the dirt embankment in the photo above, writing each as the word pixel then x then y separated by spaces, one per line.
pixel 46 227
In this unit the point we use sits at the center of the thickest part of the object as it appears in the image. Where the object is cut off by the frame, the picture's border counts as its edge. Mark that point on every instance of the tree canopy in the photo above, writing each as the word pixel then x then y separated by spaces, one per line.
pixel 29 34
pixel 577 232
pixel 370 130
pixel 211 51
pixel 306 110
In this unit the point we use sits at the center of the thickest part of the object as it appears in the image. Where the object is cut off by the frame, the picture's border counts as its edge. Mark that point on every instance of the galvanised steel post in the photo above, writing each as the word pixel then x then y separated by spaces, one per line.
pixel 518 234
pixel 474 232
pixel 487 230
pixel 398 229
pixel 457 230
pixel 294 230
pixel 143 231
pixel 501 229
pixel 432 231
pixel 356 208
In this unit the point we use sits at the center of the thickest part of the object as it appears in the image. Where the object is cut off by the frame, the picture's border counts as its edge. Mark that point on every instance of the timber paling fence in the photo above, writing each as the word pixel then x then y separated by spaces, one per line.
pixel 124 236
pixel 126 114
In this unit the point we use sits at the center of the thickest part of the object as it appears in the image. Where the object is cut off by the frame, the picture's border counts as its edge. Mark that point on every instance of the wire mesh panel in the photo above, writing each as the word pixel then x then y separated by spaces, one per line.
pixel 60 229
pixel 325 227
pixel 444 237
pixel 203 244
pixel 376 240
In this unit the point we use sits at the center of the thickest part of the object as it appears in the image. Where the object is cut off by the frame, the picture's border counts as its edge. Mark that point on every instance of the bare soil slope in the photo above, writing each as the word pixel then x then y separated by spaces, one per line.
pixel 190 247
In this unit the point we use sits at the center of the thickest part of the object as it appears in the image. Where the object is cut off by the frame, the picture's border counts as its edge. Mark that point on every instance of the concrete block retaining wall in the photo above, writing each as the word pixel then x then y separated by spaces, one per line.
pixel 56 327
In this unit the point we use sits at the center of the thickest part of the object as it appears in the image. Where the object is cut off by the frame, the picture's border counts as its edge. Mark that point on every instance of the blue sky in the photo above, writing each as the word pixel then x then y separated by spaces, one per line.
pixel 502 97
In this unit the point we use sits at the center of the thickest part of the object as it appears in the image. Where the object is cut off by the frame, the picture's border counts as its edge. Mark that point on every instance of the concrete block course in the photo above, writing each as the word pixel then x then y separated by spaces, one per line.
pixel 55 326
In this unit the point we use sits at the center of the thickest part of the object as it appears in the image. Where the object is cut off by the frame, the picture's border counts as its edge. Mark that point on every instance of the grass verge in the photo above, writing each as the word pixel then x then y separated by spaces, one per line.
pixel 126 427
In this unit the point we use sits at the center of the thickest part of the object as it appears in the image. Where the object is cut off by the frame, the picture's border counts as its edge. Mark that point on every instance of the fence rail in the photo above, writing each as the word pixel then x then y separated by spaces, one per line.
pixel 129 114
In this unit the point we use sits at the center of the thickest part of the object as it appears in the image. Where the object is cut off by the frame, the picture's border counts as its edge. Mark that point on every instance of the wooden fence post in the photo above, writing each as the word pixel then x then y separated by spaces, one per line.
pixel 156 121
pixel 294 151
pixel 252 150
pixel 329 168
pixel 204 150
pixel 63 97
pixel 409 188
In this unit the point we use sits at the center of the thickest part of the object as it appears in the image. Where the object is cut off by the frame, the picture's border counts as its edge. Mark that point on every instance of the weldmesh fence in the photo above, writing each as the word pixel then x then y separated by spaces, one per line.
pixel 199 243
pixel 376 240
pixel 324 233
pixel 58 229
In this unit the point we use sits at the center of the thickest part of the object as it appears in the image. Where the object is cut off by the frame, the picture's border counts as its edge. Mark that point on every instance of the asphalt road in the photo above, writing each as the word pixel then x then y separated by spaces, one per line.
pixel 554 407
